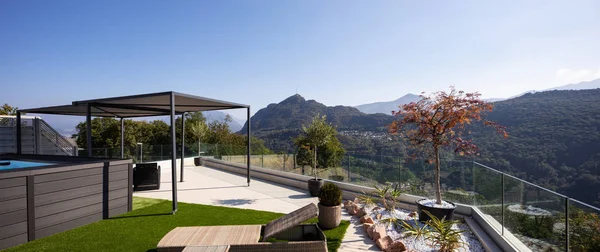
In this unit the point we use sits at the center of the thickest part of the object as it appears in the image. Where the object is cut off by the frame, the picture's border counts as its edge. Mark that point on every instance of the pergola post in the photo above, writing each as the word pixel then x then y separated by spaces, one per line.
pixel 248 147
pixel 122 139
pixel 19 146
pixel 182 144
pixel 88 123
pixel 173 154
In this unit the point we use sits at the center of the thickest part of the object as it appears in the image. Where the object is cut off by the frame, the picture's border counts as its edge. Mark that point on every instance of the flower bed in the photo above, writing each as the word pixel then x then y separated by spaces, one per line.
pixel 386 229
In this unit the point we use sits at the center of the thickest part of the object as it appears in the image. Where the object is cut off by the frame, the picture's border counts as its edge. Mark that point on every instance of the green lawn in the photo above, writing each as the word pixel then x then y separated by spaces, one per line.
pixel 141 229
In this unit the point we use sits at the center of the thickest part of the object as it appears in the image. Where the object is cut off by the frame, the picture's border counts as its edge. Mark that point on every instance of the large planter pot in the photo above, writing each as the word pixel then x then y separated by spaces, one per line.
pixel 198 161
pixel 314 186
pixel 329 216
pixel 437 212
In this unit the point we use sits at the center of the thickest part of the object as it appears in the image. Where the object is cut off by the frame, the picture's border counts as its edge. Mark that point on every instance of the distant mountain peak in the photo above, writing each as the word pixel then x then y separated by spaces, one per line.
pixel 387 107
pixel 294 99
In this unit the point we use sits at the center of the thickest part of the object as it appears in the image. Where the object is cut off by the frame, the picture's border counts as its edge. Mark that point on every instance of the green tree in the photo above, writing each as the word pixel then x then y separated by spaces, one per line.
pixel 8 110
pixel 320 135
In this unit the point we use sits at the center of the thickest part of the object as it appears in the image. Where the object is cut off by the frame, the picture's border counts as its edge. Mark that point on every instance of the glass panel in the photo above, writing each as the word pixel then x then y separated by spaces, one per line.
pixel 486 186
pixel 584 224
pixel 533 215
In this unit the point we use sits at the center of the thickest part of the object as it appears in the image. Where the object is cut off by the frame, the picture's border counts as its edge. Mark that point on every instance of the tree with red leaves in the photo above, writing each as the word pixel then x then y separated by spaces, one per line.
pixel 439 121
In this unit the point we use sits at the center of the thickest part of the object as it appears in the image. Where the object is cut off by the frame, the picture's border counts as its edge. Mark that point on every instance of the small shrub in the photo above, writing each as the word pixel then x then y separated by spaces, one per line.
pixel 330 195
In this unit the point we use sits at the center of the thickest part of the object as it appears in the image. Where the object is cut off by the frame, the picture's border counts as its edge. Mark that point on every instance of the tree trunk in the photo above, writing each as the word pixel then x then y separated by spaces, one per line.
pixel 438 189
pixel 315 163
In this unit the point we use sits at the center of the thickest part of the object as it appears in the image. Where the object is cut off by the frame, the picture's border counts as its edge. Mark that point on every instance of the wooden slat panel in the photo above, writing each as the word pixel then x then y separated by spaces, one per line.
pixel 13 241
pixel 62 217
pixel 12 218
pixel 115 185
pixel 67 205
pixel 13 229
pixel 13 205
pixel 60 185
pixel 117 202
pixel 67 175
pixel 119 175
pixel 117 168
pixel 67 225
pixel 117 211
pixel 12 182
pixel 79 192
pixel 118 194
pixel 13 193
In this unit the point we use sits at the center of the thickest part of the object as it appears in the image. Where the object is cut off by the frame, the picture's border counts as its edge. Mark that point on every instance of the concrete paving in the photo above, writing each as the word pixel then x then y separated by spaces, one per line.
pixel 209 186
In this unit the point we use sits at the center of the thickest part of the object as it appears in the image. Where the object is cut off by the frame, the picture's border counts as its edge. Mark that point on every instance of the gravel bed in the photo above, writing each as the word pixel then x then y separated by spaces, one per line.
pixel 471 243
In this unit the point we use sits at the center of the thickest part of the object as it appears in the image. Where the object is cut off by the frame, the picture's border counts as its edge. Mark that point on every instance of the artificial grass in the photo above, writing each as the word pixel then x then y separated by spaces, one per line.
pixel 141 229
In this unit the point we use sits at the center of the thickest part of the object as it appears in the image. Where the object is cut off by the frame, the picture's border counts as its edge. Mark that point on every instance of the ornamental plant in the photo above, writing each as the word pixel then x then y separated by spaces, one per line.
pixel 440 121
pixel 330 195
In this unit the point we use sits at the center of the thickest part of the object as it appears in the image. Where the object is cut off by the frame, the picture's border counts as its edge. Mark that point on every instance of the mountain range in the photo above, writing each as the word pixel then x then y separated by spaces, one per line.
pixel 389 106
pixel 553 136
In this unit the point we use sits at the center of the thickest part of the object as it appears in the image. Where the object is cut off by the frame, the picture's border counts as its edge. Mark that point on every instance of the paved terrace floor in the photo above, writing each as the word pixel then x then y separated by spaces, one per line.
pixel 209 186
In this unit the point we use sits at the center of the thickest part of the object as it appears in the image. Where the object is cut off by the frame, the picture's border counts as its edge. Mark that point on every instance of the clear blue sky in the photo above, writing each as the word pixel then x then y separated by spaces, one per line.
pixel 260 52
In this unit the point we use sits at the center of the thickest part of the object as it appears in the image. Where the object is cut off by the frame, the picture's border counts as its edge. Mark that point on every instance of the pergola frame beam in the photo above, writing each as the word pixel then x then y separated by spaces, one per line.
pixel 132 106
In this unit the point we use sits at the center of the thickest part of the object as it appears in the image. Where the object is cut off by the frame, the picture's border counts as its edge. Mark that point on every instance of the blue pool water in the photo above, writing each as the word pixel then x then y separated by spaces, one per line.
pixel 15 164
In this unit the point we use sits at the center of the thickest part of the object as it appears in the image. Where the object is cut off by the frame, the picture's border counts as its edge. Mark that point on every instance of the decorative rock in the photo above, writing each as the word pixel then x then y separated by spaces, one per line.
pixel 384 242
pixel 353 210
pixel 348 202
pixel 396 246
pixel 366 227
pixel 413 214
pixel 356 201
pixel 378 232
pixel 378 216
pixel 376 209
pixel 366 219
pixel 361 212
pixel 370 231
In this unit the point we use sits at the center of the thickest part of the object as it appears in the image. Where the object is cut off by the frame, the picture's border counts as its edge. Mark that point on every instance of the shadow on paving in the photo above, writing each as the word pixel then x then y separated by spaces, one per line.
pixel 234 202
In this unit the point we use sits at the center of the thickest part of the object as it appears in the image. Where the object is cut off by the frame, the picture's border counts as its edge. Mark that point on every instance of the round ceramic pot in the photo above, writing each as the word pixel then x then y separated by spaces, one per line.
pixel 314 186
pixel 435 211
pixel 329 216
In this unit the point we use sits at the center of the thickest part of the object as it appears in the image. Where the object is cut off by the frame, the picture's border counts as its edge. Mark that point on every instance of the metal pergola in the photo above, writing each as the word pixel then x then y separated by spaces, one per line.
pixel 143 105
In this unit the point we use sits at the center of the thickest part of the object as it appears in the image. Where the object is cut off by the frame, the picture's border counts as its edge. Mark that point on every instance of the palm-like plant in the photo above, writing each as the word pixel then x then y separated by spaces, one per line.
pixel 415 230
pixel 392 220
pixel 366 199
pixel 382 192
pixel 395 192
pixel 442 233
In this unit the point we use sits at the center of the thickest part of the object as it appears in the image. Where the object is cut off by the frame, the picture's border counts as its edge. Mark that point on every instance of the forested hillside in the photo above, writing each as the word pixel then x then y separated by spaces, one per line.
pixel 554 141
pixel 278 124
pixel 554 136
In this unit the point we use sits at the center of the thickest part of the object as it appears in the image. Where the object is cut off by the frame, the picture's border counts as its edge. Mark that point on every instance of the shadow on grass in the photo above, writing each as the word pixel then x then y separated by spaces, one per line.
pixel 141 215
pixel 151 250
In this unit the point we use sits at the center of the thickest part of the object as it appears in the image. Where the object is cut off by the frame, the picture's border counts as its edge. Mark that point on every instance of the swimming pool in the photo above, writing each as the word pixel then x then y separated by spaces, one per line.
pixel 16 164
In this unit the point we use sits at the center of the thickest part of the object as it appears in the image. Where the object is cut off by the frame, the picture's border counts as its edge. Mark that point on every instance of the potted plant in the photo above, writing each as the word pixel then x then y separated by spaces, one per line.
pixel 330 206
pixel 437 122
pixel 318 133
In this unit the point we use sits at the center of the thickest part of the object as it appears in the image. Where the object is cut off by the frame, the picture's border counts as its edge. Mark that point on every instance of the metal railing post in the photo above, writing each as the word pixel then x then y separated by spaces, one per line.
pixel 502 193
pixel 349 177
pixel 567 224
